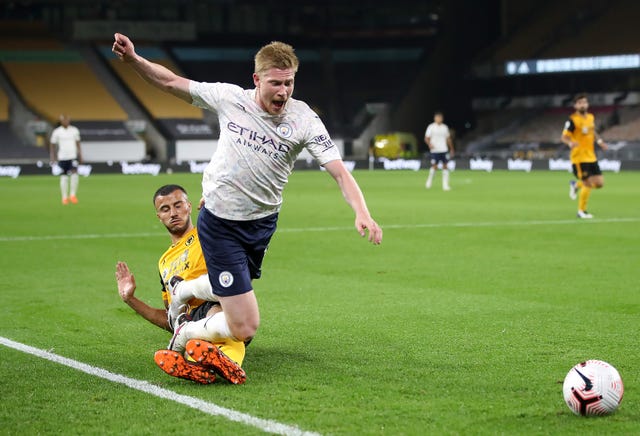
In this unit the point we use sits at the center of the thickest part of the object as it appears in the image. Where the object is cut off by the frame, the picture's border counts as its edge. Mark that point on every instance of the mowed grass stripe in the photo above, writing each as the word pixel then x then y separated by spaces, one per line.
pixel 329 229
pixel 144 386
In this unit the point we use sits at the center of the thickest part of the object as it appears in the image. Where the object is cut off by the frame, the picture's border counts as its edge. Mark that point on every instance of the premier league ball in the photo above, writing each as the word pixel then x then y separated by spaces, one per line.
pixel 593 388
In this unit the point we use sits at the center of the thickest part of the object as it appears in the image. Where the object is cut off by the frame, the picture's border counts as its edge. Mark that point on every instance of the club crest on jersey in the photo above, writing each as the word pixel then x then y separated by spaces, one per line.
pixel 284 130
pixel 226 279
pixel 190 240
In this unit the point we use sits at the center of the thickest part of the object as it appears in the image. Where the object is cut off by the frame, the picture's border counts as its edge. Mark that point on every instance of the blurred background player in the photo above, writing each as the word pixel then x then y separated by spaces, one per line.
pixel 438 139
pixel 580 135
pixel 183 259
pixel 66 151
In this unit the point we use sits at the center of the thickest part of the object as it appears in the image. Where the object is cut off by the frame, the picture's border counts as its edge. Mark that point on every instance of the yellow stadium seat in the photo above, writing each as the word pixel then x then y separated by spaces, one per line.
pixel 158 103
pixel 52 88
pixel 4 106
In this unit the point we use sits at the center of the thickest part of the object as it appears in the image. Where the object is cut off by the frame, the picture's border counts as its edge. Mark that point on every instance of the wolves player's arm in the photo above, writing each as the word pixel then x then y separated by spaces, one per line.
pixel 156 74
pixel 603 145
pixel 127 287
pixel 353 195
pixel 567 133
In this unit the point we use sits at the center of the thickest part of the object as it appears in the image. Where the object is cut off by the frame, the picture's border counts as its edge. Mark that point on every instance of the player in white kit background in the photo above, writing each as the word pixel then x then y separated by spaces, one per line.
pixel 438 139
pixel 262 131
pixel 66 151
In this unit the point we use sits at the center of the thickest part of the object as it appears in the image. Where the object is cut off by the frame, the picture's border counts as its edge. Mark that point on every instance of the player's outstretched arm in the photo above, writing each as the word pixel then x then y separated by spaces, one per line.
pixel 353 195
pixel 156 74
pixel 603 145
pixel 127 287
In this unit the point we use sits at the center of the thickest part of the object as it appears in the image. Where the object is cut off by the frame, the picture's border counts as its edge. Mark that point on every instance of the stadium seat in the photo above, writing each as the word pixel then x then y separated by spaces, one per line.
pixel 158 103
pixel 4 106
pixel 52 88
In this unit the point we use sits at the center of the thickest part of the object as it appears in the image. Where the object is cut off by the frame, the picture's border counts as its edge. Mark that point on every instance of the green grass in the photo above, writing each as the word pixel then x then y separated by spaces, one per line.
pixel 464 321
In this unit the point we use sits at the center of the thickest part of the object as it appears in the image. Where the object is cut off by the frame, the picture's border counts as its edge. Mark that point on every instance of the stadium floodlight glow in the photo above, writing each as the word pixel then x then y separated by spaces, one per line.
pixel 568 65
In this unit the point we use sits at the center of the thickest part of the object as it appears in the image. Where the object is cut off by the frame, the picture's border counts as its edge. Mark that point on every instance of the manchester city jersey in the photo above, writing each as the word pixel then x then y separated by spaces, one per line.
pixel 256 150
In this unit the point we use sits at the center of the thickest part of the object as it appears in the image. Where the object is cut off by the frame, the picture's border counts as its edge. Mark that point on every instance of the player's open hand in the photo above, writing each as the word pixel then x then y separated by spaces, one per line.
pixel 126 281
pixel 375 232
pixel 123 47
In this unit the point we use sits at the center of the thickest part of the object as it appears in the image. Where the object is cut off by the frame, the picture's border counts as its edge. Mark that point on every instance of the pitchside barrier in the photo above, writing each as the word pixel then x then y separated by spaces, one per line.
pixel 122 167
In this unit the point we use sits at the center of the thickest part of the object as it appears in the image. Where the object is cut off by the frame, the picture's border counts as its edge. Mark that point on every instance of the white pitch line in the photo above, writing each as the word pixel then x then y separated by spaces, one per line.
pixel 144 386
pixel 80 236
pixel 331 229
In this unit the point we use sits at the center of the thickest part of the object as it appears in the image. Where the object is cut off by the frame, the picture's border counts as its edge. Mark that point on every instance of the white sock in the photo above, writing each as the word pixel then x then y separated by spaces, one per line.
pixel 430 177
pixel 196 288
pixel 74 184
pixel 213 329
pixel 445 178
pixel 64 185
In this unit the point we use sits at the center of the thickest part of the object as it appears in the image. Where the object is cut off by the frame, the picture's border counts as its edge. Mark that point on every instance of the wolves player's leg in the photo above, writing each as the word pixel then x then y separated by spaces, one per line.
pixel 184 290
pixel 210 342
pixel 175 365
pixel 595 181
pixel 583 199
pixel 238 320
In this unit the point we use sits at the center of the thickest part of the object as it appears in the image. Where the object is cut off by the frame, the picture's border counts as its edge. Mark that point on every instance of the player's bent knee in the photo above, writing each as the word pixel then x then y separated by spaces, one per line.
pixel 244 332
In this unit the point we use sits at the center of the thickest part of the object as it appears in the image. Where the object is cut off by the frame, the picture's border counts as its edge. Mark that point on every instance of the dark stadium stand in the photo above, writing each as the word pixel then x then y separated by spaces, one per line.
pixel 536 122
pixel 159 104
pixel 535 32
pixel 12 149
pixel 373 76
pixel 4 106
pixel 335 82
pixel 611 29
pixel 54 86
pixel 347 63
pixel 50 79
pixel 548 30
pixel 628 127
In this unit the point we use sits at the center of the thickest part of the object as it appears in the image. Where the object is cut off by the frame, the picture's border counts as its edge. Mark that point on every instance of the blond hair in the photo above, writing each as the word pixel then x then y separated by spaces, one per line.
pixel 276 55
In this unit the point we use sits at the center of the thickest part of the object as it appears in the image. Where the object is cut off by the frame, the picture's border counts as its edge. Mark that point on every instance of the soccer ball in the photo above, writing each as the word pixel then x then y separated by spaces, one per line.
pixel 593 388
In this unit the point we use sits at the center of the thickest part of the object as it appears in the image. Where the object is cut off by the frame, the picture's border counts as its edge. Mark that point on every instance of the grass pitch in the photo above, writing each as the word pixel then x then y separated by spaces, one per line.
pixel 464 321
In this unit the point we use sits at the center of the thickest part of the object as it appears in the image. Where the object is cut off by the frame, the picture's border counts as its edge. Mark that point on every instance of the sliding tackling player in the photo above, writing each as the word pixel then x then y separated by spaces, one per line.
pixel 184 262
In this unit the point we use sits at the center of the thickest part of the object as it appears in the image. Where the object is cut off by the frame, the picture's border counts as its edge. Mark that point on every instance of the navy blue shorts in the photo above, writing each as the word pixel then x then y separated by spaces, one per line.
pixel 68 166
pixel 439 157
pixel 234 250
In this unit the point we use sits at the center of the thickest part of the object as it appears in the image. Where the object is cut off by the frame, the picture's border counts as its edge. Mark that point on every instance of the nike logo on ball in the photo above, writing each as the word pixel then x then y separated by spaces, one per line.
pixel 587 383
